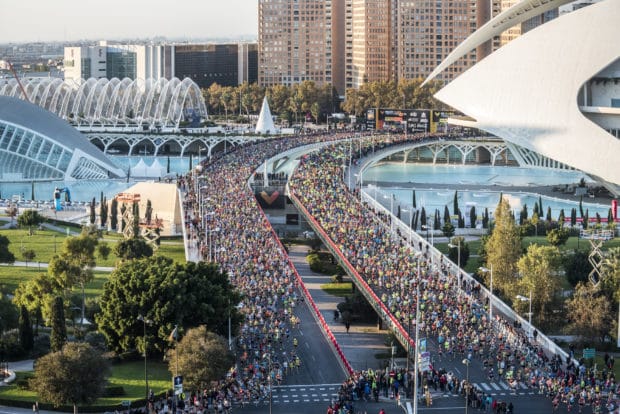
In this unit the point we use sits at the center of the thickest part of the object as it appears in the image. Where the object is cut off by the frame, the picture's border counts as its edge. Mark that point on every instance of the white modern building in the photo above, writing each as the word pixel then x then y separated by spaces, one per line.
pixel 553 90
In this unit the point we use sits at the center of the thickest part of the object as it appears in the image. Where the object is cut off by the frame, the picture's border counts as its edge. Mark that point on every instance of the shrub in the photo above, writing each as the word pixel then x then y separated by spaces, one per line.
pixel 337 278
pixel 114 391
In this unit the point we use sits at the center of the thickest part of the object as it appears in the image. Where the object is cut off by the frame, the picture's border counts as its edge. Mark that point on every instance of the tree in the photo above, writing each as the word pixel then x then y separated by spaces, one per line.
pixel 167 293
pixel 134 248
pixel 485 218
pixel 523 216
pixel 26 337
pixel 423 217
pixel 437 221
pixel 6 256
pixel 455 206
pixel 148 214
pixel 503 247
pixel 93 215
pixel 413 201
pixel 30 219
pixel 610 274
pixel 74 265
pixel 114 214
pixel 123 209
pixel 539 270
pixel 577 267
pixel 473 217
pixel 76 375
pixel 561 218
pixel 136 219
pixel 535 221
pixel 448 229
pixel 29 255
pixel 58 337
pixel 548 217
pixel 590 313
pixel 557 237
pixel 573 217
pixel 103 212
pixel 461 220
pixel 37 295
pixel 202 357
pixel 446 214
pixel 453 253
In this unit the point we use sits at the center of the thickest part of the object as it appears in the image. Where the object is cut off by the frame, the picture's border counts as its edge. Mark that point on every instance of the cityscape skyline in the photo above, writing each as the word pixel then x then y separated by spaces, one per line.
pixel 139 19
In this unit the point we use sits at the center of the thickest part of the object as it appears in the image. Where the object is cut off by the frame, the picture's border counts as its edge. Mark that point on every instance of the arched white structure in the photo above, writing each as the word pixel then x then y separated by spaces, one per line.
pixel 114 102
pixel 526 92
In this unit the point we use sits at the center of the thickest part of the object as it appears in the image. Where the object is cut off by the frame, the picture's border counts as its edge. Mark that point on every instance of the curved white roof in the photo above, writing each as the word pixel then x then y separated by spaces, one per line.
pixel 526 92
pixel 114 102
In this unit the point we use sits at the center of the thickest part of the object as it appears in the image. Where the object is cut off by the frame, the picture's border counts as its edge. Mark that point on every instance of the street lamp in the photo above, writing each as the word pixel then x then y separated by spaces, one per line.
pixel 410 211
pixel 268 356
pixel 430 227
pixel 391 212
pixel 417 332
pixel 529 314
pixel 490 272
pixel 145 321
pixel 458 259
pixel 466 362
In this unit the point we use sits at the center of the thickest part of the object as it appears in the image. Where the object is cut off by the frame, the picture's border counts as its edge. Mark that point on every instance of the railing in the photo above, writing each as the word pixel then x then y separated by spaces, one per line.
pixel 315 310
pixel 372 298
pixel 453 270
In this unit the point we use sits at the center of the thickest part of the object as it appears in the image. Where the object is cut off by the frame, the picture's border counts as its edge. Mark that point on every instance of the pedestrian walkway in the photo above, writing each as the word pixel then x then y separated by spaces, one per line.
pixel 361 344
pixel 287 394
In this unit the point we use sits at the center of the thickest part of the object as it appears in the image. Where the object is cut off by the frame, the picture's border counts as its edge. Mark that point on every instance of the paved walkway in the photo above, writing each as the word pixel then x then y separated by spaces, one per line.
pixel 362 342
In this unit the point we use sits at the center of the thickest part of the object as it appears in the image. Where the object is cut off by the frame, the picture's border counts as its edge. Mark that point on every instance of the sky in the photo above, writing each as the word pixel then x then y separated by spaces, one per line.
pixel 68 20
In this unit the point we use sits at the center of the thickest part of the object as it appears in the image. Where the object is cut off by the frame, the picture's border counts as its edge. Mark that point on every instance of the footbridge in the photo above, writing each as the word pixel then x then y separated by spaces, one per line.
pixel 157 144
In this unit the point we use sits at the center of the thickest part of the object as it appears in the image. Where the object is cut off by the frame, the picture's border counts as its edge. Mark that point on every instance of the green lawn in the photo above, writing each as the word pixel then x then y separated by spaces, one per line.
pixel 47 243
pixel 338 289
pixel 11 276
pixel 129 375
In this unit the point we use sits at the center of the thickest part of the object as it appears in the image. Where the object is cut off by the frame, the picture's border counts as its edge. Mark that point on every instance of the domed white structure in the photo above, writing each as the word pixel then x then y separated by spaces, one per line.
pixel 265 121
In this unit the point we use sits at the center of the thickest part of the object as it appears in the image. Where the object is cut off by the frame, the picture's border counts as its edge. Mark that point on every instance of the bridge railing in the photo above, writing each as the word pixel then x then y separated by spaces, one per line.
pixel 453 270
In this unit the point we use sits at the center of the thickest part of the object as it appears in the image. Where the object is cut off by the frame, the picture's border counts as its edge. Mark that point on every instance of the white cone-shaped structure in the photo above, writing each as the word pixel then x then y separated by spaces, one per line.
pixel 265 122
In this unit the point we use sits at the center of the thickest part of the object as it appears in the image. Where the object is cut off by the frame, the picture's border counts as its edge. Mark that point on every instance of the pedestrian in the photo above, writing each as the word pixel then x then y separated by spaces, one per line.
pixel 382 411
pixel 347 325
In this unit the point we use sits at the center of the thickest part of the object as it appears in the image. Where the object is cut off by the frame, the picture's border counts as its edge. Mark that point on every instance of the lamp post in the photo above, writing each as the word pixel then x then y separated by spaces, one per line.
pixel 268 356
pixel 458 259
pixel 466 362
pixel 145 321
pixel 490 272
pixel 410 211
pixel 415 351
pixel 391 212
pixel 529 314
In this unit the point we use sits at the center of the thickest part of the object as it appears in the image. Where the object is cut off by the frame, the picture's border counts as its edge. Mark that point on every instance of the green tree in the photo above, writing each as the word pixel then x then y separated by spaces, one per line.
pixel 573 217
pixel 103 212
pixel 148 214
pixel 76 375
pixel 423 217
pixel 93 213
pixel 473 217
pixel 523 216
pixel 561 218
pixel 136 220
pixel 29 255
pixel 123 224
pixel 134 248
pixel 413 201
pixel 535 222
pixel 453 252
pixel 504 248
pixel 114 214
pixel 548 217
pixel 30 219
pixel 58 337
pixel 557 237
pixel 610 274
pixel 455 203
pixel 6 256
pixel 74 265
pixel 37 295
pixel 590 313
pixel 26 336
pixel 201 357
pixel 485 218
pixel 577 267
pixel 448 229
pixel 446 214
pixel 167 293
pixel 539 270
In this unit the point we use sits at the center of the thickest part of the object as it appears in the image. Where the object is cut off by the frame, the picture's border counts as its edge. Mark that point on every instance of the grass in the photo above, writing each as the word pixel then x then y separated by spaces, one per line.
pixel 129 375
pixel 338 289
pixel 46 243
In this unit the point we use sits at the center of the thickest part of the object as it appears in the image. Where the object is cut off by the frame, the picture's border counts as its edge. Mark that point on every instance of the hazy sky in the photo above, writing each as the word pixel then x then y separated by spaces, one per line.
pixel 47 20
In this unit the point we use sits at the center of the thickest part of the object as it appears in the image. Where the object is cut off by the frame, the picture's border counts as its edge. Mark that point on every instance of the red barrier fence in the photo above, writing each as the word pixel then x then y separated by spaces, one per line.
pixel 352 271
pixel 324 326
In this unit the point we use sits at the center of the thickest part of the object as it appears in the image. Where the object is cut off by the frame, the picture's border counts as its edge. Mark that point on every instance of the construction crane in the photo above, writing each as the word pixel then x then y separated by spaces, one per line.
pixel 12 69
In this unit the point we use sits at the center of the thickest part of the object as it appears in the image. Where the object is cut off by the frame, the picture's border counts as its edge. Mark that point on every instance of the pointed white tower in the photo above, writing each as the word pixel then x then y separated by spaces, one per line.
pixel 265 122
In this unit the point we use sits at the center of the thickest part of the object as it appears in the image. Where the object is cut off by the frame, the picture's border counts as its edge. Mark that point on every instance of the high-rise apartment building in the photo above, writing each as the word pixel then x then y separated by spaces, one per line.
pixel 295 41
pixel 522 28
pixel 372 37
pixel 225 64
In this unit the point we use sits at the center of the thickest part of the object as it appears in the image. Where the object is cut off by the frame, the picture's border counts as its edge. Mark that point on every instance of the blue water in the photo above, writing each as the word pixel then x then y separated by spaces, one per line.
pixel 480 199
pixel 470 174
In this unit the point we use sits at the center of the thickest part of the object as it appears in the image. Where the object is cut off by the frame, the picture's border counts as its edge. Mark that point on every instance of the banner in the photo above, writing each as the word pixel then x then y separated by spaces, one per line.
pixel 270 198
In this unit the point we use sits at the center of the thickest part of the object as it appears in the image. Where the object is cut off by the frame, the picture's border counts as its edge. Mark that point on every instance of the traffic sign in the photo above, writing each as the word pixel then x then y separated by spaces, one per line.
pixel 178 385
pixel 589 353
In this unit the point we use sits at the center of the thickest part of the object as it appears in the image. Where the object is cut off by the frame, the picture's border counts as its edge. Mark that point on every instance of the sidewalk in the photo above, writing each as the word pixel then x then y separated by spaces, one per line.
pixel 362 342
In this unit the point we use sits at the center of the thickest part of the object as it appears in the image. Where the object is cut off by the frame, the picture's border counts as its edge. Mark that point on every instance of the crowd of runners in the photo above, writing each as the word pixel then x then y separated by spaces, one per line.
pixel 225 224
pixel 455 317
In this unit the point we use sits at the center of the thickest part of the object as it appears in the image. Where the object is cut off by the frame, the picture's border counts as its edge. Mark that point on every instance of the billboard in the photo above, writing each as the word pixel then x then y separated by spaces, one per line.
pixel 415 120
pixel 270 198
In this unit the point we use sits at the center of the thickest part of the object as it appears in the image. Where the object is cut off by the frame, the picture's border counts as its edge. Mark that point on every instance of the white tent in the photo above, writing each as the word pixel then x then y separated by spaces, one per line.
pixel 143 170
pixel 265 121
